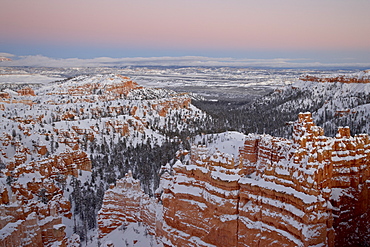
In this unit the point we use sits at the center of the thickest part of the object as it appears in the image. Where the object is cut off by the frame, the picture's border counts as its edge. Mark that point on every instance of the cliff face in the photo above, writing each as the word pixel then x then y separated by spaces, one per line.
pixel 27 91
pixel 27 222
pixel 52 135
pixel 288 200
pixel 31 204
pixel 258 190
pixel 126 202
pixel 312 190
pixel 361 78
pixel 200 202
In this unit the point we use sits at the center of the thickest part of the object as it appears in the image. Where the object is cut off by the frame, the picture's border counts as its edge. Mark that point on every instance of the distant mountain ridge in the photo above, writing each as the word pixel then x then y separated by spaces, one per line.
pixel 332 103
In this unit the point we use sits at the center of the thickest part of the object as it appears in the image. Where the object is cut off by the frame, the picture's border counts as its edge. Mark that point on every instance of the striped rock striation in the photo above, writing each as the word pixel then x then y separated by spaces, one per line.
pixel 50 137
pixel 259 190
pixel 126 202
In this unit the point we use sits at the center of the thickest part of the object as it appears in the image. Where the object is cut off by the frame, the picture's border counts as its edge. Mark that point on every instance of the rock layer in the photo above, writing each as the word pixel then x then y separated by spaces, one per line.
pixel 47 138
pixel 304 192
pixel 123 203
pixel 259 190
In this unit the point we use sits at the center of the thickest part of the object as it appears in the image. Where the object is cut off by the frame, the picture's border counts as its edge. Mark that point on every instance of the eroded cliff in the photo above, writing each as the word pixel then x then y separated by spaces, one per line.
pixel 257 190
pixel 56 153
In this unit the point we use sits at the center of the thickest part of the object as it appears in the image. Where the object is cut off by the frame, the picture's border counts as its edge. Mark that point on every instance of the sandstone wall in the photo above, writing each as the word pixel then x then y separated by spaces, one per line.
pixel 31 204
pixel 300 192
pixel 123 203
pixel 309 191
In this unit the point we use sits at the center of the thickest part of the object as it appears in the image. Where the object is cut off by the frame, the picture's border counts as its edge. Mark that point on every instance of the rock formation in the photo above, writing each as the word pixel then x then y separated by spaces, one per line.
pixel 259 190
pixel 48 135
pixel 31 204
pixel 310 191
pixel 27 91
pixel 229 189
pixel 5 59
pixel 126 202
pixel 26 222
pixel 362 77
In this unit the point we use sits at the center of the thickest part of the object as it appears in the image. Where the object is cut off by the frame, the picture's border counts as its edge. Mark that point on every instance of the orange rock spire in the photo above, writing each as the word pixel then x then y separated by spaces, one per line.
pixel 312 190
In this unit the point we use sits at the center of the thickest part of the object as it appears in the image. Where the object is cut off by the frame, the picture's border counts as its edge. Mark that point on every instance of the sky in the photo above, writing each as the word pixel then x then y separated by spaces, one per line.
pixel 321 31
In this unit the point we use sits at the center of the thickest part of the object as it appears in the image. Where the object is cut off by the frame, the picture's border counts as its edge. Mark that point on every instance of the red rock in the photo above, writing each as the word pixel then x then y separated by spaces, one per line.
pixel 125 202
pixel 341 79
pixel 4 196
pixel 5 95
pixel 175 103
pixel 282 197
pixel 27 91
pixel 28 223
pixel 5 59
pixel 42 150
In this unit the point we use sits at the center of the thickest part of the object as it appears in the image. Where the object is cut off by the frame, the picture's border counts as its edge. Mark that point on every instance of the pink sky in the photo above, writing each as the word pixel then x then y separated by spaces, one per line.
pixel 189 24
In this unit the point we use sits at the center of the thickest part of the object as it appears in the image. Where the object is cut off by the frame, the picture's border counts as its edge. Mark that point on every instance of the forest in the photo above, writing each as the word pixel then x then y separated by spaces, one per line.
pixel 271 114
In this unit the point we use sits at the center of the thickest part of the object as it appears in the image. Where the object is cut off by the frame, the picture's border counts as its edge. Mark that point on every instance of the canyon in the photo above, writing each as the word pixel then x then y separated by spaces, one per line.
pixel 50 139
pixel 101 161
pixel 257 190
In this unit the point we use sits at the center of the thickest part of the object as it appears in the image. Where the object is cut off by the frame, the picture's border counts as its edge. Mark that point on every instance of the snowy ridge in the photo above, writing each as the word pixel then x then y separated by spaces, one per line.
pixel 257 190
pixel 65 148
pixel 332 101
pixel 56 141
pixel 290 192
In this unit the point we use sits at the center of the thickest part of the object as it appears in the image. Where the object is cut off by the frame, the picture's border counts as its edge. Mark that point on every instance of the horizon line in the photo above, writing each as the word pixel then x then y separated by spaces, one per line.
pixel 174 61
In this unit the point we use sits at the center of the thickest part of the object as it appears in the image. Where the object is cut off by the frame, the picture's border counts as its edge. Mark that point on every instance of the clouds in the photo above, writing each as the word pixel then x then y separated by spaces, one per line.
pixel 42 61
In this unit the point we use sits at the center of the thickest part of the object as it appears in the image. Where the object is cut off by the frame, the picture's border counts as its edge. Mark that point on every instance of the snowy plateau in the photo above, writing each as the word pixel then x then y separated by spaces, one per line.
pixel 164 156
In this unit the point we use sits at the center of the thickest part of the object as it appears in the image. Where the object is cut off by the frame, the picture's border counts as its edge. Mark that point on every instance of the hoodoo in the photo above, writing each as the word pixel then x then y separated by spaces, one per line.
pixel 259 190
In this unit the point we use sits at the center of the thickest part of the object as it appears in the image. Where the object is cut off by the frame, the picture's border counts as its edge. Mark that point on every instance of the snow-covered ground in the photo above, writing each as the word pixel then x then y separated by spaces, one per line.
pixel 26 78
pixel 127 235
pixel 211 82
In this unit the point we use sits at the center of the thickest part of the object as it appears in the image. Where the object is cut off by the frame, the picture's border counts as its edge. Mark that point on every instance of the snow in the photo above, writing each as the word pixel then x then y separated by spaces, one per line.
pixel 306 198
pixel 265 227
pixel 222 148
pixel 185 189
pixel 26 79
pixel 202 206
pixel 227 142
pixel 228 217
pixel 225 177
pixel 134 234
pixel 58 226
pixel 9 228
pixel 194 241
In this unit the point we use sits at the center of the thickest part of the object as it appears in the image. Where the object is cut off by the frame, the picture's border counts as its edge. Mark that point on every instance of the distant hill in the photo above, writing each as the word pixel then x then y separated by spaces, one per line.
pixel 334 101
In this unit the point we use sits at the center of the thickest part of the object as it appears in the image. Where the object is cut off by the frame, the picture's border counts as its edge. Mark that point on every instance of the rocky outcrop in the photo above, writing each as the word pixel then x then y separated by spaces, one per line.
pixel 27 91
pixel 363 77
pixel 126 202
pixel 31 203
pixel 200 203
pixel 26 222
pixel 276 192
pixel 173 104
pixel 67 163
pixel 114 87
pixel 4 95
pixel 46 145
pixel 259 190
pixel 5 59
